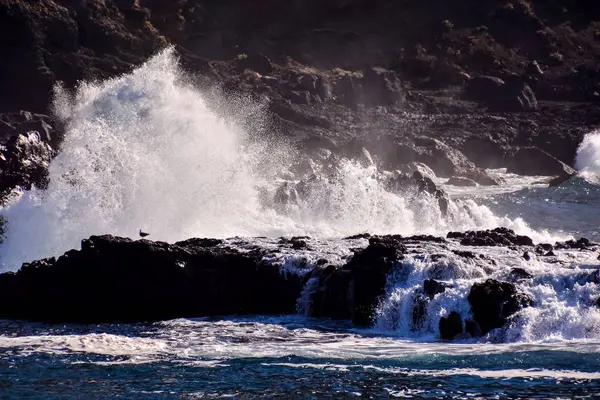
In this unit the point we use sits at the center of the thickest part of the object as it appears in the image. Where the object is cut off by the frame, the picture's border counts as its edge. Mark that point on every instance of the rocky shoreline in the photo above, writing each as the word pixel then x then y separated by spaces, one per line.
pixel 459 91
pixel 113 279
pixel 417 90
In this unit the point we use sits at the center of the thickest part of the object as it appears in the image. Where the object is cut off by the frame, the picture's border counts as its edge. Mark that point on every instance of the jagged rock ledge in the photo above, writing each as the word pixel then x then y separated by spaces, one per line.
pixel 114 279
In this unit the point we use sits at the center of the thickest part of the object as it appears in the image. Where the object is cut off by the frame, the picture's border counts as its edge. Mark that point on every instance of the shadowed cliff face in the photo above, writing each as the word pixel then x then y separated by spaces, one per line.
pixel 45 41
pixel 431 44
pixel 472 33
pixel 482 78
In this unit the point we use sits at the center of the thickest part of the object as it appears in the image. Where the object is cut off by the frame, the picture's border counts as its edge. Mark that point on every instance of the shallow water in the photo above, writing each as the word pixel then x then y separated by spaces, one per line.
pixel 265 357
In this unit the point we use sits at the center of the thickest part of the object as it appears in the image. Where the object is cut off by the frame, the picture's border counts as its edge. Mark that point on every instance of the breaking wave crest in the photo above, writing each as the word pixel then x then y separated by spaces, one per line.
pixel 588 157
pixel 148 151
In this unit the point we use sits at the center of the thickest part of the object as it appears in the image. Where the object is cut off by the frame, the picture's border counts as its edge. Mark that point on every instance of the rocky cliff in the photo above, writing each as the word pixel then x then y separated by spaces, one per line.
pixel 457 85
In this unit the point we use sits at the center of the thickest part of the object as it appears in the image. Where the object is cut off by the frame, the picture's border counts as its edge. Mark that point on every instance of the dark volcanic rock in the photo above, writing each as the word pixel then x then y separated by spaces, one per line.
pixel 427 153
pixel 481 88
pixel 543 248
pixel 517 274
pixel 443 159
pixel 504 96
pixel 472 328
pixel 48 41
pixel 493 303
pixel 27 146
pixel 534 161
pixel 116 279
pixel 451 326
pixel 581 244
pixel 423 238
pixel 22 122
pixel 516 95
pixel 399 182
pixel 494 237
pixel 255 62
pixel 382 87
pixel 354 290
pixel 432 287
pixel 464 253
pixel 23 163
pixel 419 311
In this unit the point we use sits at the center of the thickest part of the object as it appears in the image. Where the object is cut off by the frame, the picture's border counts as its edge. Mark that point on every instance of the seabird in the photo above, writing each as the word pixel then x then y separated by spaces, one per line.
pixel 143 234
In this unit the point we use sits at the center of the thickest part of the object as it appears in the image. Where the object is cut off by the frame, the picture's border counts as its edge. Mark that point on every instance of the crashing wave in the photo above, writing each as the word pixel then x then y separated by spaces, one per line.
pixel 147 150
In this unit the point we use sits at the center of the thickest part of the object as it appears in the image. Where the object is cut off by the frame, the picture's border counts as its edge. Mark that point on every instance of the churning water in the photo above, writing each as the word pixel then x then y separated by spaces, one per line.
pixel 149 151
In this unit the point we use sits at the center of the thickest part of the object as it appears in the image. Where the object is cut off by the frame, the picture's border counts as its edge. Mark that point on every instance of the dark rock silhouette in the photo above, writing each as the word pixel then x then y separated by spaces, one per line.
pixel 581 243
pixel 519 274
pixel 451 326
pixel 494 237
pixel 432 287
pixel 459 181
pixel 510 95
pixel 112 279
pixel 117 279
pixel 534 161
pixel 493 303
pixel 354 290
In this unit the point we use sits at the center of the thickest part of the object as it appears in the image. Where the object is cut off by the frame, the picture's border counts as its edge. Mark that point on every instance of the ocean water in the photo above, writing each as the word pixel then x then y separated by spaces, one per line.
pixel 287 357
pixel 148 151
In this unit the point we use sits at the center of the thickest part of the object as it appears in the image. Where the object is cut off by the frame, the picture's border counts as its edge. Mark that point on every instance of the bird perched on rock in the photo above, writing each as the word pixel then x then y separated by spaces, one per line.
pixel 143 234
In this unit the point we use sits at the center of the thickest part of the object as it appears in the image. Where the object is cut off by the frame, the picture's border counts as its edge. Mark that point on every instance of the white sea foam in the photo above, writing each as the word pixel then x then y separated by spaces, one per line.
pixel 145 150
pixel 588 157
pixel 501 374
pixel 562 294
pixel 139 349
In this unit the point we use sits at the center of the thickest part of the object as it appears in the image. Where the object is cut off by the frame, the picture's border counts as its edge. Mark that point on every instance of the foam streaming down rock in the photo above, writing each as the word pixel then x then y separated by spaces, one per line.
pixel 146 151
pixel 554 301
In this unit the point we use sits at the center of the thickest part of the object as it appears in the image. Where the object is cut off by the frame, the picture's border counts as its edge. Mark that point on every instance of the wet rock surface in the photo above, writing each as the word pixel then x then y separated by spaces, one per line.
pixel 117 279
pixel 534 161
pixel 354 290
pixel 112 279
pixel 451 326
pixel 494 237
pixel 494 302
pixel 27 145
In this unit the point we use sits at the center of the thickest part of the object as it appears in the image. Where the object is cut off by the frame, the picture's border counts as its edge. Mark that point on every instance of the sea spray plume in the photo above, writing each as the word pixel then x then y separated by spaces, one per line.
pixel 146 149
pixel 140 150
pixel 588 156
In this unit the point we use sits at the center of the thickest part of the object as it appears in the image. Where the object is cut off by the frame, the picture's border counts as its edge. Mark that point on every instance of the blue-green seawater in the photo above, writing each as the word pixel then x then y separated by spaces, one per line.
pixel 288 357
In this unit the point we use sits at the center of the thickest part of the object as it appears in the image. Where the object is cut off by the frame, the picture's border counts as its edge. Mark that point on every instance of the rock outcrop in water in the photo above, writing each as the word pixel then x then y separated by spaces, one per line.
pixel 494 237
pixel 118 279
pixel 411 90
pixel 493 302
pixel 354 290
